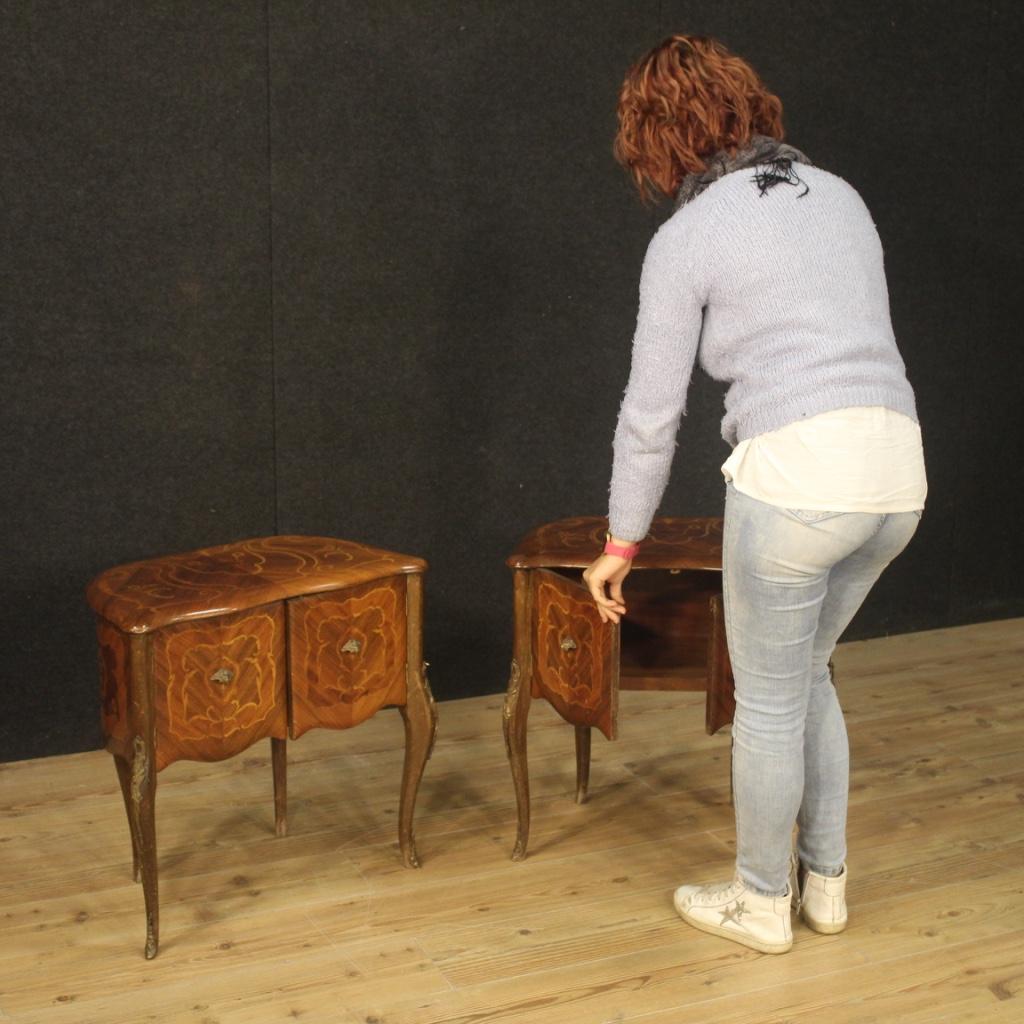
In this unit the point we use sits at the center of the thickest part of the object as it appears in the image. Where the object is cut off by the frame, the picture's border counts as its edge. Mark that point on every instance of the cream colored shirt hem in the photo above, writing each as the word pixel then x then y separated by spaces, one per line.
pixel 857 459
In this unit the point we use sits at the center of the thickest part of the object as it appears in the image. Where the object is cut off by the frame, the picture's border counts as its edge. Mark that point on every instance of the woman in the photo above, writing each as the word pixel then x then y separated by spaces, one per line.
pixel 770 272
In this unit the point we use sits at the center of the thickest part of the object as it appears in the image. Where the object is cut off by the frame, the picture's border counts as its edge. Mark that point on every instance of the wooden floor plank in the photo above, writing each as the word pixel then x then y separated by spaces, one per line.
pixel 696 968
pixel 326 925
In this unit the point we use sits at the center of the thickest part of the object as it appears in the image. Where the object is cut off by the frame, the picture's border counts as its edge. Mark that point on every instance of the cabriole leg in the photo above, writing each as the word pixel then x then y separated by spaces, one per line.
pixel 420 716
pixel 582 762
pixel 517 709
pixel 143 813
pixel 279 757
pixel 142 782
pixel 419 713
pixel 124 776
pixel 515 712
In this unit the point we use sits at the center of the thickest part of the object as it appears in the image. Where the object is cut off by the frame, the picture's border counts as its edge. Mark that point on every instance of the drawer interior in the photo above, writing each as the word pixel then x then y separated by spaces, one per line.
pixel 665 633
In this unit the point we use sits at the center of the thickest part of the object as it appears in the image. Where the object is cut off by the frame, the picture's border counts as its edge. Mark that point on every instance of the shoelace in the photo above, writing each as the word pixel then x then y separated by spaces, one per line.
pixel 720 889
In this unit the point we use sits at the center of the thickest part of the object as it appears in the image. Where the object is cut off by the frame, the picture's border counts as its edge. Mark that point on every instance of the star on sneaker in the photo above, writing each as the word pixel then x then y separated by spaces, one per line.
pixel 734 913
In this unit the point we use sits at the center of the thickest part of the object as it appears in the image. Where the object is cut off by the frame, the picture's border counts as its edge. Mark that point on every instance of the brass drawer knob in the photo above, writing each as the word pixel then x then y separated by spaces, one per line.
pixel 222 676
pixel 351 647
pixel 568 644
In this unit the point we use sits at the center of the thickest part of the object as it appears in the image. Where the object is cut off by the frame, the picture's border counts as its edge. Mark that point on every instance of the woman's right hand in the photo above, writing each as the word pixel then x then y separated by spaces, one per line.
pixel 610 571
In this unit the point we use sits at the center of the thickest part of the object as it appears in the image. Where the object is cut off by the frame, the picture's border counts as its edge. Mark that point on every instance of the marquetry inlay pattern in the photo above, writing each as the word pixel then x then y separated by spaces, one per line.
pixel 347 653
pixel 112 649
pixel 573 649
pixel 673 636
pixel 204 653
pixel 220 684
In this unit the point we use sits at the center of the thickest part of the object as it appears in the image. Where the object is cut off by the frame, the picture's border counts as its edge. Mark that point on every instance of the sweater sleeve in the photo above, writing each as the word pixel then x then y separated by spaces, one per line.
pixel 664 351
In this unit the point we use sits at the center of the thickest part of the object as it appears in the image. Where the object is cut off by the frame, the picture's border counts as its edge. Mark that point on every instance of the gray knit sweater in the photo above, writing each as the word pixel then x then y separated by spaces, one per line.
pixel 780 294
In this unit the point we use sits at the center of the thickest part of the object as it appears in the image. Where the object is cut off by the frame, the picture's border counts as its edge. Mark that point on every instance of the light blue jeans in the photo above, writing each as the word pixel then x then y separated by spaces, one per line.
pixel 792 580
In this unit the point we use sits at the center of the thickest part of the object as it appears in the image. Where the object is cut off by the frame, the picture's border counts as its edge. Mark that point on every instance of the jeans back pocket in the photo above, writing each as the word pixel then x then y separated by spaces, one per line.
pixel 811 515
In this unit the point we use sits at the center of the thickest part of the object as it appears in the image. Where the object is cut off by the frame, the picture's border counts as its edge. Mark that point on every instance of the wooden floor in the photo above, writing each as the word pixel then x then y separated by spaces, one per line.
pixel 326 926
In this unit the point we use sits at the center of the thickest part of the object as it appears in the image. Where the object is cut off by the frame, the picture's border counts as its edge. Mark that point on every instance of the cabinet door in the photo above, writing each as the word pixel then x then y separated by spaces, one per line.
pixel 347 654
pixel 576 655
pixel 219 684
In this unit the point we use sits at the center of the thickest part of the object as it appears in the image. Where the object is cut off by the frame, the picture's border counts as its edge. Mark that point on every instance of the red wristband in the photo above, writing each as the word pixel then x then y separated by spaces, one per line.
pixel 626 552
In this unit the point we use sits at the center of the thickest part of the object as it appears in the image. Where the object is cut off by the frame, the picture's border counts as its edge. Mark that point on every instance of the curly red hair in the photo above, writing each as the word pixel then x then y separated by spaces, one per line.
pixel 685 100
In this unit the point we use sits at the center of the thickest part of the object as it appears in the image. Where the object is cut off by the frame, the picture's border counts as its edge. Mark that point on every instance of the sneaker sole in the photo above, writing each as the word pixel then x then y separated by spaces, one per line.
pixel 824 927
pixel 743 940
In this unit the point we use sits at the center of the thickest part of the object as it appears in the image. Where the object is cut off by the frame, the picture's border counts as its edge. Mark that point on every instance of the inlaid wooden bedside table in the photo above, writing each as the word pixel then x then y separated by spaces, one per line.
pixel 201 654
pixel 673 637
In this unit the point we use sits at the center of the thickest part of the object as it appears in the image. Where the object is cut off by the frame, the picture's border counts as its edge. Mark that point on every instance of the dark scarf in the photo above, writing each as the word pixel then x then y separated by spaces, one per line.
pixel 762 149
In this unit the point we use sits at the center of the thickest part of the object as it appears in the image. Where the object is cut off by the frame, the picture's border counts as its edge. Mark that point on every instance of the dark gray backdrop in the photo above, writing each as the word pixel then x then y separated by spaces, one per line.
pixel 369 270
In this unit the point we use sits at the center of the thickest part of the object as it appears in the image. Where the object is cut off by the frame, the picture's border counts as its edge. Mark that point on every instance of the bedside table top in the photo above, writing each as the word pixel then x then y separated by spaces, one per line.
pixel 141 596
pixel 674 542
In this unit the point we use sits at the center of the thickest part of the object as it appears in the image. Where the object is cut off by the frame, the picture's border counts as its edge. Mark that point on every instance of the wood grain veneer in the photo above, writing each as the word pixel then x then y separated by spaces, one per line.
pixel 672 638
pixel 203 653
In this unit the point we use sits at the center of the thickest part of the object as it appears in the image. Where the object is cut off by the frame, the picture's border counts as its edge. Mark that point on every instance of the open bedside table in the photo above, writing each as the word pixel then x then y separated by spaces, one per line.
pixel 673 637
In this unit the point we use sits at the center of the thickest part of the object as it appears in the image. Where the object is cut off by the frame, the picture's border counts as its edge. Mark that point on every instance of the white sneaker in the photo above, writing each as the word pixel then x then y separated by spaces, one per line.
pixel 734 912
pixel 822 900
